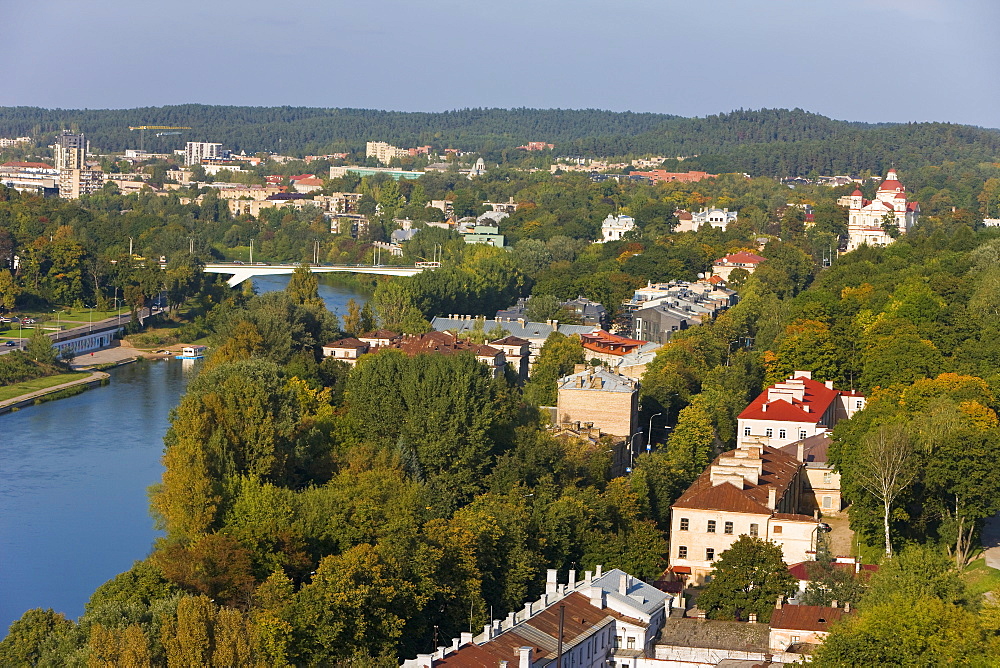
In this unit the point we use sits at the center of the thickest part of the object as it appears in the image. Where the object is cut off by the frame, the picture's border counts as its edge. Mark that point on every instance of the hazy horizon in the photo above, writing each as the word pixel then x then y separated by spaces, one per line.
pixel 874 61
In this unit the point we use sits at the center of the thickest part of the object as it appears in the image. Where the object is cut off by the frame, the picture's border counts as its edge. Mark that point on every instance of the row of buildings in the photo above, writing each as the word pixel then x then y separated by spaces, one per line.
pixel 614 619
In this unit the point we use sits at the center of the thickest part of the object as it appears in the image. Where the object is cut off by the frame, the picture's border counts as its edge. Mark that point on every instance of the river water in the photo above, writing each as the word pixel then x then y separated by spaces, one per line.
pixel 73 478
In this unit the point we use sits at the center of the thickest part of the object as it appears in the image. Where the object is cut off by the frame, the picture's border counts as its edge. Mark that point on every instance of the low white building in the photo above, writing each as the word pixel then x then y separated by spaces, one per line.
pixel 717 218
pixel 615 227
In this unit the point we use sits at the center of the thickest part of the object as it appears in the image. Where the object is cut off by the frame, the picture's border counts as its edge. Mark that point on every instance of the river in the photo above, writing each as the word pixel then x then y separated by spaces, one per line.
pixel 73 478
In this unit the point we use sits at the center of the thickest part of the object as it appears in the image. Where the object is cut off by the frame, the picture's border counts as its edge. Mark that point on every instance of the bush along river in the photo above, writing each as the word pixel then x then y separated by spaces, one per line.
pixel 74 511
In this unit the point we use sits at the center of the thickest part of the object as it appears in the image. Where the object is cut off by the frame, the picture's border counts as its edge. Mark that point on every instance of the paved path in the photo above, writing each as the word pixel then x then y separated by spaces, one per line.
pixel 991 541
pixel 4 405
pixel 114 353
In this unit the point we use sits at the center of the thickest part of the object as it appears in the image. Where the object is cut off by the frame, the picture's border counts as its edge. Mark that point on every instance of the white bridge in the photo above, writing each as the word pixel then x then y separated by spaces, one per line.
pixel 241 272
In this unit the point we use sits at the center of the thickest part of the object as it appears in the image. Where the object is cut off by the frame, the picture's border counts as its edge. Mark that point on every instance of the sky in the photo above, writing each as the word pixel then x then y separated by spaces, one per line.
pixel 862 60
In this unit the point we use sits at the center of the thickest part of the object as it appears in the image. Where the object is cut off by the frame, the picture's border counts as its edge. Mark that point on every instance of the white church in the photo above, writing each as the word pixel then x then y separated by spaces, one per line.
pixel 865 223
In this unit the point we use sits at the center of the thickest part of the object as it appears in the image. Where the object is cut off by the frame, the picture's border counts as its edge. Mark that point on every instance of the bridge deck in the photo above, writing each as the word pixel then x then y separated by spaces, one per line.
pixel 241 272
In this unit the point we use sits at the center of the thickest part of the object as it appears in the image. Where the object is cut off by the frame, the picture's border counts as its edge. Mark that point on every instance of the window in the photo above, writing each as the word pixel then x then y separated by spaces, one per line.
pixel 753 530
pixel 827 477
pixel 795 639
pixel 802 433
pixel 631 643
pixel 769 433
pixel 711 526
pixel 684 524
pixel 858 403
pixel 827 502
pixel 709 554
pixel 776 528
pixel 781 433
pixel 618 641
pixel 746 431
pixel 729 527
pixel 682 552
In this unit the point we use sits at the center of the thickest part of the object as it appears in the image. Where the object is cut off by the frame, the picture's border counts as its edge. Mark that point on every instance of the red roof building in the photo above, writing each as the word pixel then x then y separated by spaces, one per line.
pixel 798 629
pixel 663 176
pixel 867 217
pixel 796 409
pixel 745 260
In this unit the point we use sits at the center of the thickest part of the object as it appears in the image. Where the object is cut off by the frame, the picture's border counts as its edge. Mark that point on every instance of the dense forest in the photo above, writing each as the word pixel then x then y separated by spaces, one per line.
pixel 772 142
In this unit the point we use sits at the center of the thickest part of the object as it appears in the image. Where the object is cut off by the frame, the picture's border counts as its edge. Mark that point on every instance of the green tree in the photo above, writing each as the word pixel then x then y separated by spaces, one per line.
pixel 40 348
pixel 885 466
pixel 559 355
pixel 30 635
pixel 9 290
pixel 689 448
pixel 747 578
pixel 303 288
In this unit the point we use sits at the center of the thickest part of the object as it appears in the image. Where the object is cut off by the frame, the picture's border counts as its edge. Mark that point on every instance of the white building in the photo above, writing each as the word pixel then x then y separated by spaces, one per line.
pixel 865 224
pixel 196 151
pixel 384 152
pixel 615 227
pixel 795 409
pixel 717 218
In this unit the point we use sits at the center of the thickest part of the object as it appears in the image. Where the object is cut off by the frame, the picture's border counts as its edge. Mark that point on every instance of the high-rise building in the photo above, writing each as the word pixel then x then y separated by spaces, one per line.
pixel 70 151
pixel 196 151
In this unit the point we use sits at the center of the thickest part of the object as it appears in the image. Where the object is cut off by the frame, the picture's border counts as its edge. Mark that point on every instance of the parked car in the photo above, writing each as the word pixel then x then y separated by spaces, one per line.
pixel 824 527
pixel 28 321
pixel 10 344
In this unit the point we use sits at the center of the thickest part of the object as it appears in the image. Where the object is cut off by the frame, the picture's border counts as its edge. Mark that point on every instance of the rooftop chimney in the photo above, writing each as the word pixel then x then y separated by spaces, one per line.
pixel 524 657
pixel 623 584
pixel 772 498
pixel 550 581
pixel 465 639
pixel 572 579
pixel 781 599
pixel 800 452
pixel 598 573
pixel 847 606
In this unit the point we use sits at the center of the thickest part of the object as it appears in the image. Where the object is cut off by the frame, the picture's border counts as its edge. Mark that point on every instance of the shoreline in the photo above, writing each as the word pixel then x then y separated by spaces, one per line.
pixel 95 379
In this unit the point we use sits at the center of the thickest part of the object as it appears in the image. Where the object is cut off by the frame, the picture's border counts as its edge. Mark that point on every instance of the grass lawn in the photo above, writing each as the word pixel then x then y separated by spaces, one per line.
pixel 16 390
pixel 980 578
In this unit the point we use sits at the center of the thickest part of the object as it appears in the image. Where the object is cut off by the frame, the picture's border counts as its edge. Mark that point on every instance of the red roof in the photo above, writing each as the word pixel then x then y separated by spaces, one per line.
pixel 35 165
pixel 857 193
pixel 805 617
pixel 891 184
pixel 817 398
pixel 742 257
pixel 600 341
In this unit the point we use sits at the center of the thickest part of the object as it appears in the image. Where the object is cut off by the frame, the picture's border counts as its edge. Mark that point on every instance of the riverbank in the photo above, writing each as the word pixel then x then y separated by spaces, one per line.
pixel 57 391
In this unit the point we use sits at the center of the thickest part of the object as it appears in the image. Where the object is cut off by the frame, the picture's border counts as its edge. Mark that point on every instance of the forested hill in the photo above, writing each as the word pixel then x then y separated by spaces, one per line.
pixel 760 142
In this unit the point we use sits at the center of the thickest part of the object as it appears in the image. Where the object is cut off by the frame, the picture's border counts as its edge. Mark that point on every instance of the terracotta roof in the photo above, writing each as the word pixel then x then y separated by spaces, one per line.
pixel 805 617
pixel 817 398
pixel 683 215
pixel 510 341
pixel 814 448
pixel 857 193
pixel 743 257
pixel 36 165
pixel 793 517
pixel 891 185
pixel 600 341
pixel 309 182
pixel 349 342
pixel 778 471
pixel 540 633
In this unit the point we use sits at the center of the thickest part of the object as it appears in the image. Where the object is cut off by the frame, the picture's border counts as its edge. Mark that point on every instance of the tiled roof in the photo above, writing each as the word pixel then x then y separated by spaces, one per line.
pixel 817 398
pixel 741 257
pixel 778 471
pixel 600 341
pixel 800 571
pixel 581 620
pixel 510 341
pixel 805 617
pixel 349 342
pixel 814 449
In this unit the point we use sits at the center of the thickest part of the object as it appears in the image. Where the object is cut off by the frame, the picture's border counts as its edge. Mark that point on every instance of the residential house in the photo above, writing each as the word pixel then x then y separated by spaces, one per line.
pixel 800 571
pixel 796 409
pixel 615 227
pixel 752 490
pixel 606 619
pixel 609 348
pixel 440 343
pixel 587 312
pixel 601 397
pixel 745 260
pixel 346 350
pixel 517 352
pixel 717 218
pixel 535 332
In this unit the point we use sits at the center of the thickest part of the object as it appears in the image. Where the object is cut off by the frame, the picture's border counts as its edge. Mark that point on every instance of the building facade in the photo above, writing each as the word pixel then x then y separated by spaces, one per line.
pixel 752 491
pixel 877 222
pixel 196 151
pixel 614 228
pixel 607 400
pixel 727 264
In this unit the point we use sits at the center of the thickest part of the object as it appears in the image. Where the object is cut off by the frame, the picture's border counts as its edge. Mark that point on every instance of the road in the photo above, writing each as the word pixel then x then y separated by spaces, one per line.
pixel 124 319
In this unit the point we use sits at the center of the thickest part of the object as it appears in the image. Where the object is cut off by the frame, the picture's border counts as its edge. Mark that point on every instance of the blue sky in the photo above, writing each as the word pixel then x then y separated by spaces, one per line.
pixel 870 60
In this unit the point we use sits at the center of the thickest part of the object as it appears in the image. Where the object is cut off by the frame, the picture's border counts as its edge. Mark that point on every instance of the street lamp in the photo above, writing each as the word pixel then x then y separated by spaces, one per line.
pixel 631 451
pixel 649 440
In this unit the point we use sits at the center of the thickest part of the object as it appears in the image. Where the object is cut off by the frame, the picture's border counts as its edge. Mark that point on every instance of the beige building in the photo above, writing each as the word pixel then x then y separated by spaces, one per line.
pixel 752 491
pixel 726 264
pixel 604 398
pixel 196 151
pixel 821 483
pixel 799 629
pixel 73 183
pixel 384 152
